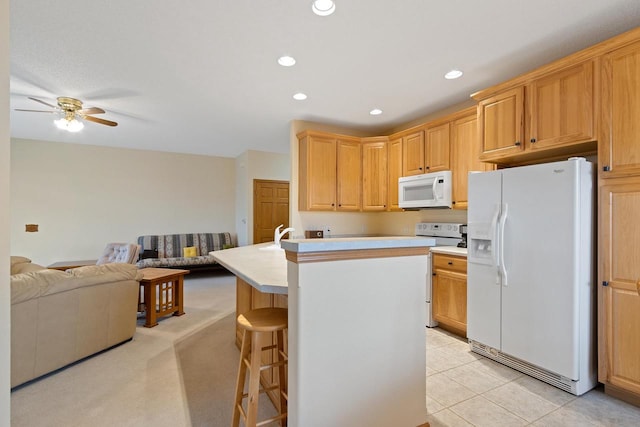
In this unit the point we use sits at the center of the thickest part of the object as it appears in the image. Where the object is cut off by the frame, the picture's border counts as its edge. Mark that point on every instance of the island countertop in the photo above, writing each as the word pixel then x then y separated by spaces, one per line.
pixel 266 269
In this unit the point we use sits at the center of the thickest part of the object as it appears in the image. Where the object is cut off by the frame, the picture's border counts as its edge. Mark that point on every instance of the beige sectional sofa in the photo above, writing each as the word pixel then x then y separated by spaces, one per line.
pixel 59 317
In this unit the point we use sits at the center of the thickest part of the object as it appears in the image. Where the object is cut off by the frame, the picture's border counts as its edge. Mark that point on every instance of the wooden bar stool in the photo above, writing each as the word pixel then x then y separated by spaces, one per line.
pixel 258 325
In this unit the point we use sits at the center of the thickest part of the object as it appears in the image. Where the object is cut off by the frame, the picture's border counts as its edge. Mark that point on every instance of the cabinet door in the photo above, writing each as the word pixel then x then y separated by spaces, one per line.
pixel 500 124
pixel 619 301
pixel 620 122
pixel 395 172
pixel 374 176
pixel 349 176
pixel 449 299
pixel 413 154
pixel 437 148
pixel 321 173
pixel 465 157
pixel 561 108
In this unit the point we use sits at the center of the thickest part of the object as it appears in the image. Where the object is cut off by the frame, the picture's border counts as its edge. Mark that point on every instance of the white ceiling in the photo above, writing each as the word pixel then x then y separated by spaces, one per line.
pixel 201 76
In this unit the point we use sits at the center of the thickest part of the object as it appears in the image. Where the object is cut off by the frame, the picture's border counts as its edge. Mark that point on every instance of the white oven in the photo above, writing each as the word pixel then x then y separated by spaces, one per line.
pixel 445 234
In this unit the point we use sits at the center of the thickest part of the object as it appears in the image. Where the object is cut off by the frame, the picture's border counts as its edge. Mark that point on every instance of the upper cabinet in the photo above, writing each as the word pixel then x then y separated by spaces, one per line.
pixel 425 149
pixel 374 174
pixel 561 108
pixel 501 125
pixel 436 148
pixel 465 153
pixel 413 153
pixel 619 151
pixel 394 172
pixel 329 172
pixel 546 116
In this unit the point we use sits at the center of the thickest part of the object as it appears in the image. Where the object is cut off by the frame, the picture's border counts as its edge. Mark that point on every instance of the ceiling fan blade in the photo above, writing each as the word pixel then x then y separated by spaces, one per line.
pixel 35 111
pixel 42 102
pixel 91 110
pixel 101 121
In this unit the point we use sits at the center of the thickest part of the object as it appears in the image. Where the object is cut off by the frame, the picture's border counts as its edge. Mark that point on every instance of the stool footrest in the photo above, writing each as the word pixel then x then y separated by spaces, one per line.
pixel 270 420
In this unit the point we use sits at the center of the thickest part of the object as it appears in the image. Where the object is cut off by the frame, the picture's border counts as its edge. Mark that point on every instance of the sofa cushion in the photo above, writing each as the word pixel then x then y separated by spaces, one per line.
pixel 176 262
pixel 18 260
pixel 26 286
pixel 25 267
pixel 34 284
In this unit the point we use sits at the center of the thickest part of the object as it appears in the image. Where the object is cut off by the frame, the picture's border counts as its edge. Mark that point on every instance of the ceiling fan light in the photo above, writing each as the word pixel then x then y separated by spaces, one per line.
pixel 323 7
pixel 75 126
pixel 61 123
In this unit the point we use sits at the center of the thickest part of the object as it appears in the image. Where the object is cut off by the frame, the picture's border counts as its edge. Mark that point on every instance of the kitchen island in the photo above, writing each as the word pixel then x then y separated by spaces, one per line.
pixel 356 339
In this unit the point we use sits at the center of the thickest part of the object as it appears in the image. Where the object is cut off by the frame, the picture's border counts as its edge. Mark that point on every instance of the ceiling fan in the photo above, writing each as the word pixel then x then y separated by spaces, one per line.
pixel 71 109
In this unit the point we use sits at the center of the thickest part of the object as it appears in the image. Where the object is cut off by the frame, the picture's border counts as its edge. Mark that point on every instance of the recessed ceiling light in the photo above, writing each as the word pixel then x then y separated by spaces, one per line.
pixel 323 7
pixel 286 61
pixel 375 112
pixel 453 74
pixel 299 96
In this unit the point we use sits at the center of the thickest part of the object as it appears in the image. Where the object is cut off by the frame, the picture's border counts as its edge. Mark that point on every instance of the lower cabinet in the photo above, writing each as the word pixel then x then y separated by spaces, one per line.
pixel 619 289
pixel 449 292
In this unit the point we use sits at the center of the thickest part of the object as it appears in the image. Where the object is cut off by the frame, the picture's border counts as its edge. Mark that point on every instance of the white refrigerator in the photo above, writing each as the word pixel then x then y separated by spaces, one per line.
pixel 531 281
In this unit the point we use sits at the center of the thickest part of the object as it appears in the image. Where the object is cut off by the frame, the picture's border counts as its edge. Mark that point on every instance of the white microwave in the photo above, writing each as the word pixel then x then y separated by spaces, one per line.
pixel 429 190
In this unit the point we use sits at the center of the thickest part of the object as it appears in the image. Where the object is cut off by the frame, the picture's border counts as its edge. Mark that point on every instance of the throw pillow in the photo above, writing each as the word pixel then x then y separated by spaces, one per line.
pixel 18 260
pixel 189 251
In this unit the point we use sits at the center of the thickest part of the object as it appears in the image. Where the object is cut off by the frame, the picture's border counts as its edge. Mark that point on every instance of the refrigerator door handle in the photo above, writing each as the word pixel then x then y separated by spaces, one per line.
pixel 495 242
pixel 503 220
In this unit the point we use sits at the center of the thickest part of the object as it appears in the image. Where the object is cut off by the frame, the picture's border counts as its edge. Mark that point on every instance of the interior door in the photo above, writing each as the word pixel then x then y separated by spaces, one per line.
pixel 270 208
pixel 539 290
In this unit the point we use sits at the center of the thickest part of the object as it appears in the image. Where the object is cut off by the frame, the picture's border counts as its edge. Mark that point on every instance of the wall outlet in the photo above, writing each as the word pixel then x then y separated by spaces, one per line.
pixel 326 230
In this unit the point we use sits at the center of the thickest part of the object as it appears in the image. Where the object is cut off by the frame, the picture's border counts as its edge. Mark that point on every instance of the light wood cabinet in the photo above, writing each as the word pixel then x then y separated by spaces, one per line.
pixel 465 156
pixel 501 124
pixel 348 175
pixel 619 289
pixel 560 110
pixel 619 151
pixel 436 148
pixel 413 153
pixel 557 118
pixel 395 172
pixel 449 292
pixel 374 174
pixel 317 173
pixel 329 171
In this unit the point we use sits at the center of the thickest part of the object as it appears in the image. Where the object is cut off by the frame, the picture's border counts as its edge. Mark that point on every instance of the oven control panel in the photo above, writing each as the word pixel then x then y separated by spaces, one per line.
pixel 441 229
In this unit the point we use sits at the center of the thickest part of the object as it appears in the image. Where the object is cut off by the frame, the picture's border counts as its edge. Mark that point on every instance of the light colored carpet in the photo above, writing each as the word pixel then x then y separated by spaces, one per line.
pixel 179 373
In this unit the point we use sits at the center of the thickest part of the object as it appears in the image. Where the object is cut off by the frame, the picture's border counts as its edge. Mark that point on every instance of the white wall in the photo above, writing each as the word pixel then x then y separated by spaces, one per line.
pixel 252 165
pixel 83 197
pixel 5 306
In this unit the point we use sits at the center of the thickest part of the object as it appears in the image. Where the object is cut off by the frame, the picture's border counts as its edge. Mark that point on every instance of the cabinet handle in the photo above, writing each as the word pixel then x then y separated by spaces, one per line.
pixel 450 263
pixel 339 205
pixel 333 204
pixel 426 167
pixel 517 143
pixel 453 203
pixel 420 168
pixel 532 140
pixel 606 168
pixel 384 206
pixel 605 283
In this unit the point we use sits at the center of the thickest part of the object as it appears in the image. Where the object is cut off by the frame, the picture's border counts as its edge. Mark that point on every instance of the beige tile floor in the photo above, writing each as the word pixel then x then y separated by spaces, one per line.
pixel 466 389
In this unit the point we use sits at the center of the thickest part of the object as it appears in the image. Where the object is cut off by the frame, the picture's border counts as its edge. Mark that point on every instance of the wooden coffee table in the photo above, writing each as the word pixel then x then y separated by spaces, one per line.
pixel 161 293
pixel 65 265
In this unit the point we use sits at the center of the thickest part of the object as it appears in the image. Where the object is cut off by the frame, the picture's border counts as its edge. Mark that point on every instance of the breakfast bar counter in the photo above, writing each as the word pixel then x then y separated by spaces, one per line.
pixel 356 338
